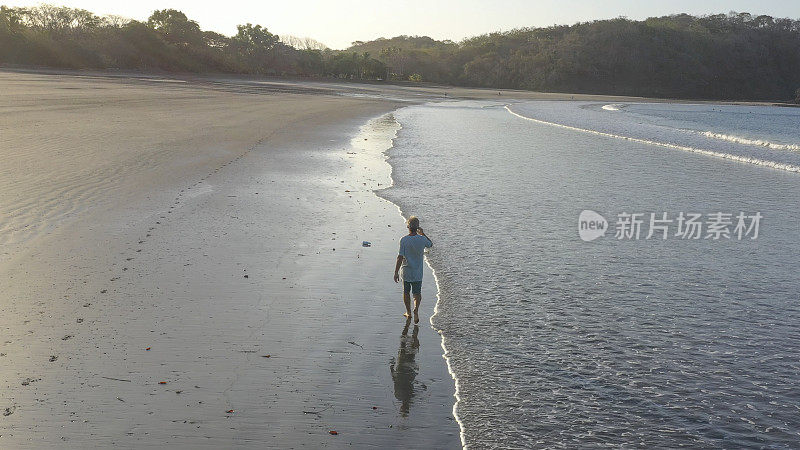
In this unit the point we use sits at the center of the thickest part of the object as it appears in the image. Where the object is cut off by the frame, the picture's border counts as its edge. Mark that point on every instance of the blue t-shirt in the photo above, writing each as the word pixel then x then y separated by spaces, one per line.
pixel 412 249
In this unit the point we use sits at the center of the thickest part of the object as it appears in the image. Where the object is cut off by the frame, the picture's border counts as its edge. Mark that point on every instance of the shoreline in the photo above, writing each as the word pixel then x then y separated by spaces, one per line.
pixel 432 92
pixel 432 273
pixel 384 158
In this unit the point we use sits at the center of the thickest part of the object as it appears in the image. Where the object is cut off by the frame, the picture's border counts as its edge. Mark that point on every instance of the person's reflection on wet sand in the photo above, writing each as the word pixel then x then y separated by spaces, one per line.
pixel 404 368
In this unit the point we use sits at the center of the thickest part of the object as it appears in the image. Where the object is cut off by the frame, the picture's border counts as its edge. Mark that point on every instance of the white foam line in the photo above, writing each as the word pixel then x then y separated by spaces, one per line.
pixel 613 107
pixel 743 159
pixel 445 352
pixel 745 141
pixel 446 356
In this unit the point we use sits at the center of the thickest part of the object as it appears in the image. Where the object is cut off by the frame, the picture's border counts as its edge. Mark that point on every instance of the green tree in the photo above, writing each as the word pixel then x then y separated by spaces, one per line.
pixel 256 47
pixel 255 38
pixel 175 27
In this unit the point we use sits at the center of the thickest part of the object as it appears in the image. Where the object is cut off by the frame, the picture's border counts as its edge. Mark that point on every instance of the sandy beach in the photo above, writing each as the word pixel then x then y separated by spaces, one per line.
pixel 182 265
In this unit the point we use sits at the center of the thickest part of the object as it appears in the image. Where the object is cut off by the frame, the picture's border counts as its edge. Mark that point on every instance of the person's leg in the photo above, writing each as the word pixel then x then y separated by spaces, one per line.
pixel 407 298
pixel 417 291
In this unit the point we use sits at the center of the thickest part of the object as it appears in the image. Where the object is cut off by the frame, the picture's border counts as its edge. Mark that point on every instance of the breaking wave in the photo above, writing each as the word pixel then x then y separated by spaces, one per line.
pixel 714 153
pixel 745 141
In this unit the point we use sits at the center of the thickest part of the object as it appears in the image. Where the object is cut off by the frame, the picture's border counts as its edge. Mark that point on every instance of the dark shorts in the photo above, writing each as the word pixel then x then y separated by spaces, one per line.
pixel 415 287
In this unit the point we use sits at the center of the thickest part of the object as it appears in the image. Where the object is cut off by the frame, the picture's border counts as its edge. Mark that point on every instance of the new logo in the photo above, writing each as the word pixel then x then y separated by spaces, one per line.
pixel 591 225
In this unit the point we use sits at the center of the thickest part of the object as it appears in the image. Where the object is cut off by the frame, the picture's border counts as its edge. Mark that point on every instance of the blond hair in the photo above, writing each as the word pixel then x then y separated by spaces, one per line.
pixel 413 223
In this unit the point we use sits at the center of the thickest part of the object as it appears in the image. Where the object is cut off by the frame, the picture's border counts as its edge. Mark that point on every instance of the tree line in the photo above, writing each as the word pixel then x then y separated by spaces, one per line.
pixel 55 36
pixel 725 56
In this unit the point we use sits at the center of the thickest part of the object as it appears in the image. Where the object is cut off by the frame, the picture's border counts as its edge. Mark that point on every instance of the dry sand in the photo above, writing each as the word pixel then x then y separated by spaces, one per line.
pixel 181 265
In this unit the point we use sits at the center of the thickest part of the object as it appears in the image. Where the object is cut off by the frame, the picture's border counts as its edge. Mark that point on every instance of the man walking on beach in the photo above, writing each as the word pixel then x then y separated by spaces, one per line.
pixel 410 257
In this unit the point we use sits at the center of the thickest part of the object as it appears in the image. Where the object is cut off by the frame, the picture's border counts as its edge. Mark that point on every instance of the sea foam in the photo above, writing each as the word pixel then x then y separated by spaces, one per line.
pixel 745 141
pixel 729 156
pixel 613 107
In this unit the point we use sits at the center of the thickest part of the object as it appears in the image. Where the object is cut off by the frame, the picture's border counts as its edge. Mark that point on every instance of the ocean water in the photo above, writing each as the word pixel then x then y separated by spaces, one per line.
pixel 560 343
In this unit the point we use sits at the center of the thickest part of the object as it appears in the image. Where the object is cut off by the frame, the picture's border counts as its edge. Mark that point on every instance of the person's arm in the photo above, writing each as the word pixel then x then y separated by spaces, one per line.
pixel 422 233
pixel 397 268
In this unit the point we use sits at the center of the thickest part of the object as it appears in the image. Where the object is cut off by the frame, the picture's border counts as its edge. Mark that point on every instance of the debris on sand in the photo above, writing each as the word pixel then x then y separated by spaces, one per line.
pixel 366 244
pixel 9 411
pixel 230 411
pixel 334 432
pixel 117 379
pixel 318 412
pixel 28 381
pixel 53 358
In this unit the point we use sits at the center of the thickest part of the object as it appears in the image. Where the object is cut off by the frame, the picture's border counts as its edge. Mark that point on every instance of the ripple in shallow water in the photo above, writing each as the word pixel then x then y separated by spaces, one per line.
pixel 561 343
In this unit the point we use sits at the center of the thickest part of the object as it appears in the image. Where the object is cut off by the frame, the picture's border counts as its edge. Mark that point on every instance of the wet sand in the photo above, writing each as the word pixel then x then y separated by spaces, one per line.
pixel 182 265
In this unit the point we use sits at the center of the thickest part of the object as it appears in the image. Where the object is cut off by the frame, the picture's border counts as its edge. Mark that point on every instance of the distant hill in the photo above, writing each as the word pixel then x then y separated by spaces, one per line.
pixel 732 57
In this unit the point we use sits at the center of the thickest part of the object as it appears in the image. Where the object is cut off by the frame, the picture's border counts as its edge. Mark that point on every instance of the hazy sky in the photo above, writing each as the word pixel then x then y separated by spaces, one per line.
pixel 337 23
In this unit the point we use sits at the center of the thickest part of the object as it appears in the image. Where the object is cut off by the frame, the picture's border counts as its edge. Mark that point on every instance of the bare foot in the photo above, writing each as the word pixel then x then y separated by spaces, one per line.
pixel 407 315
